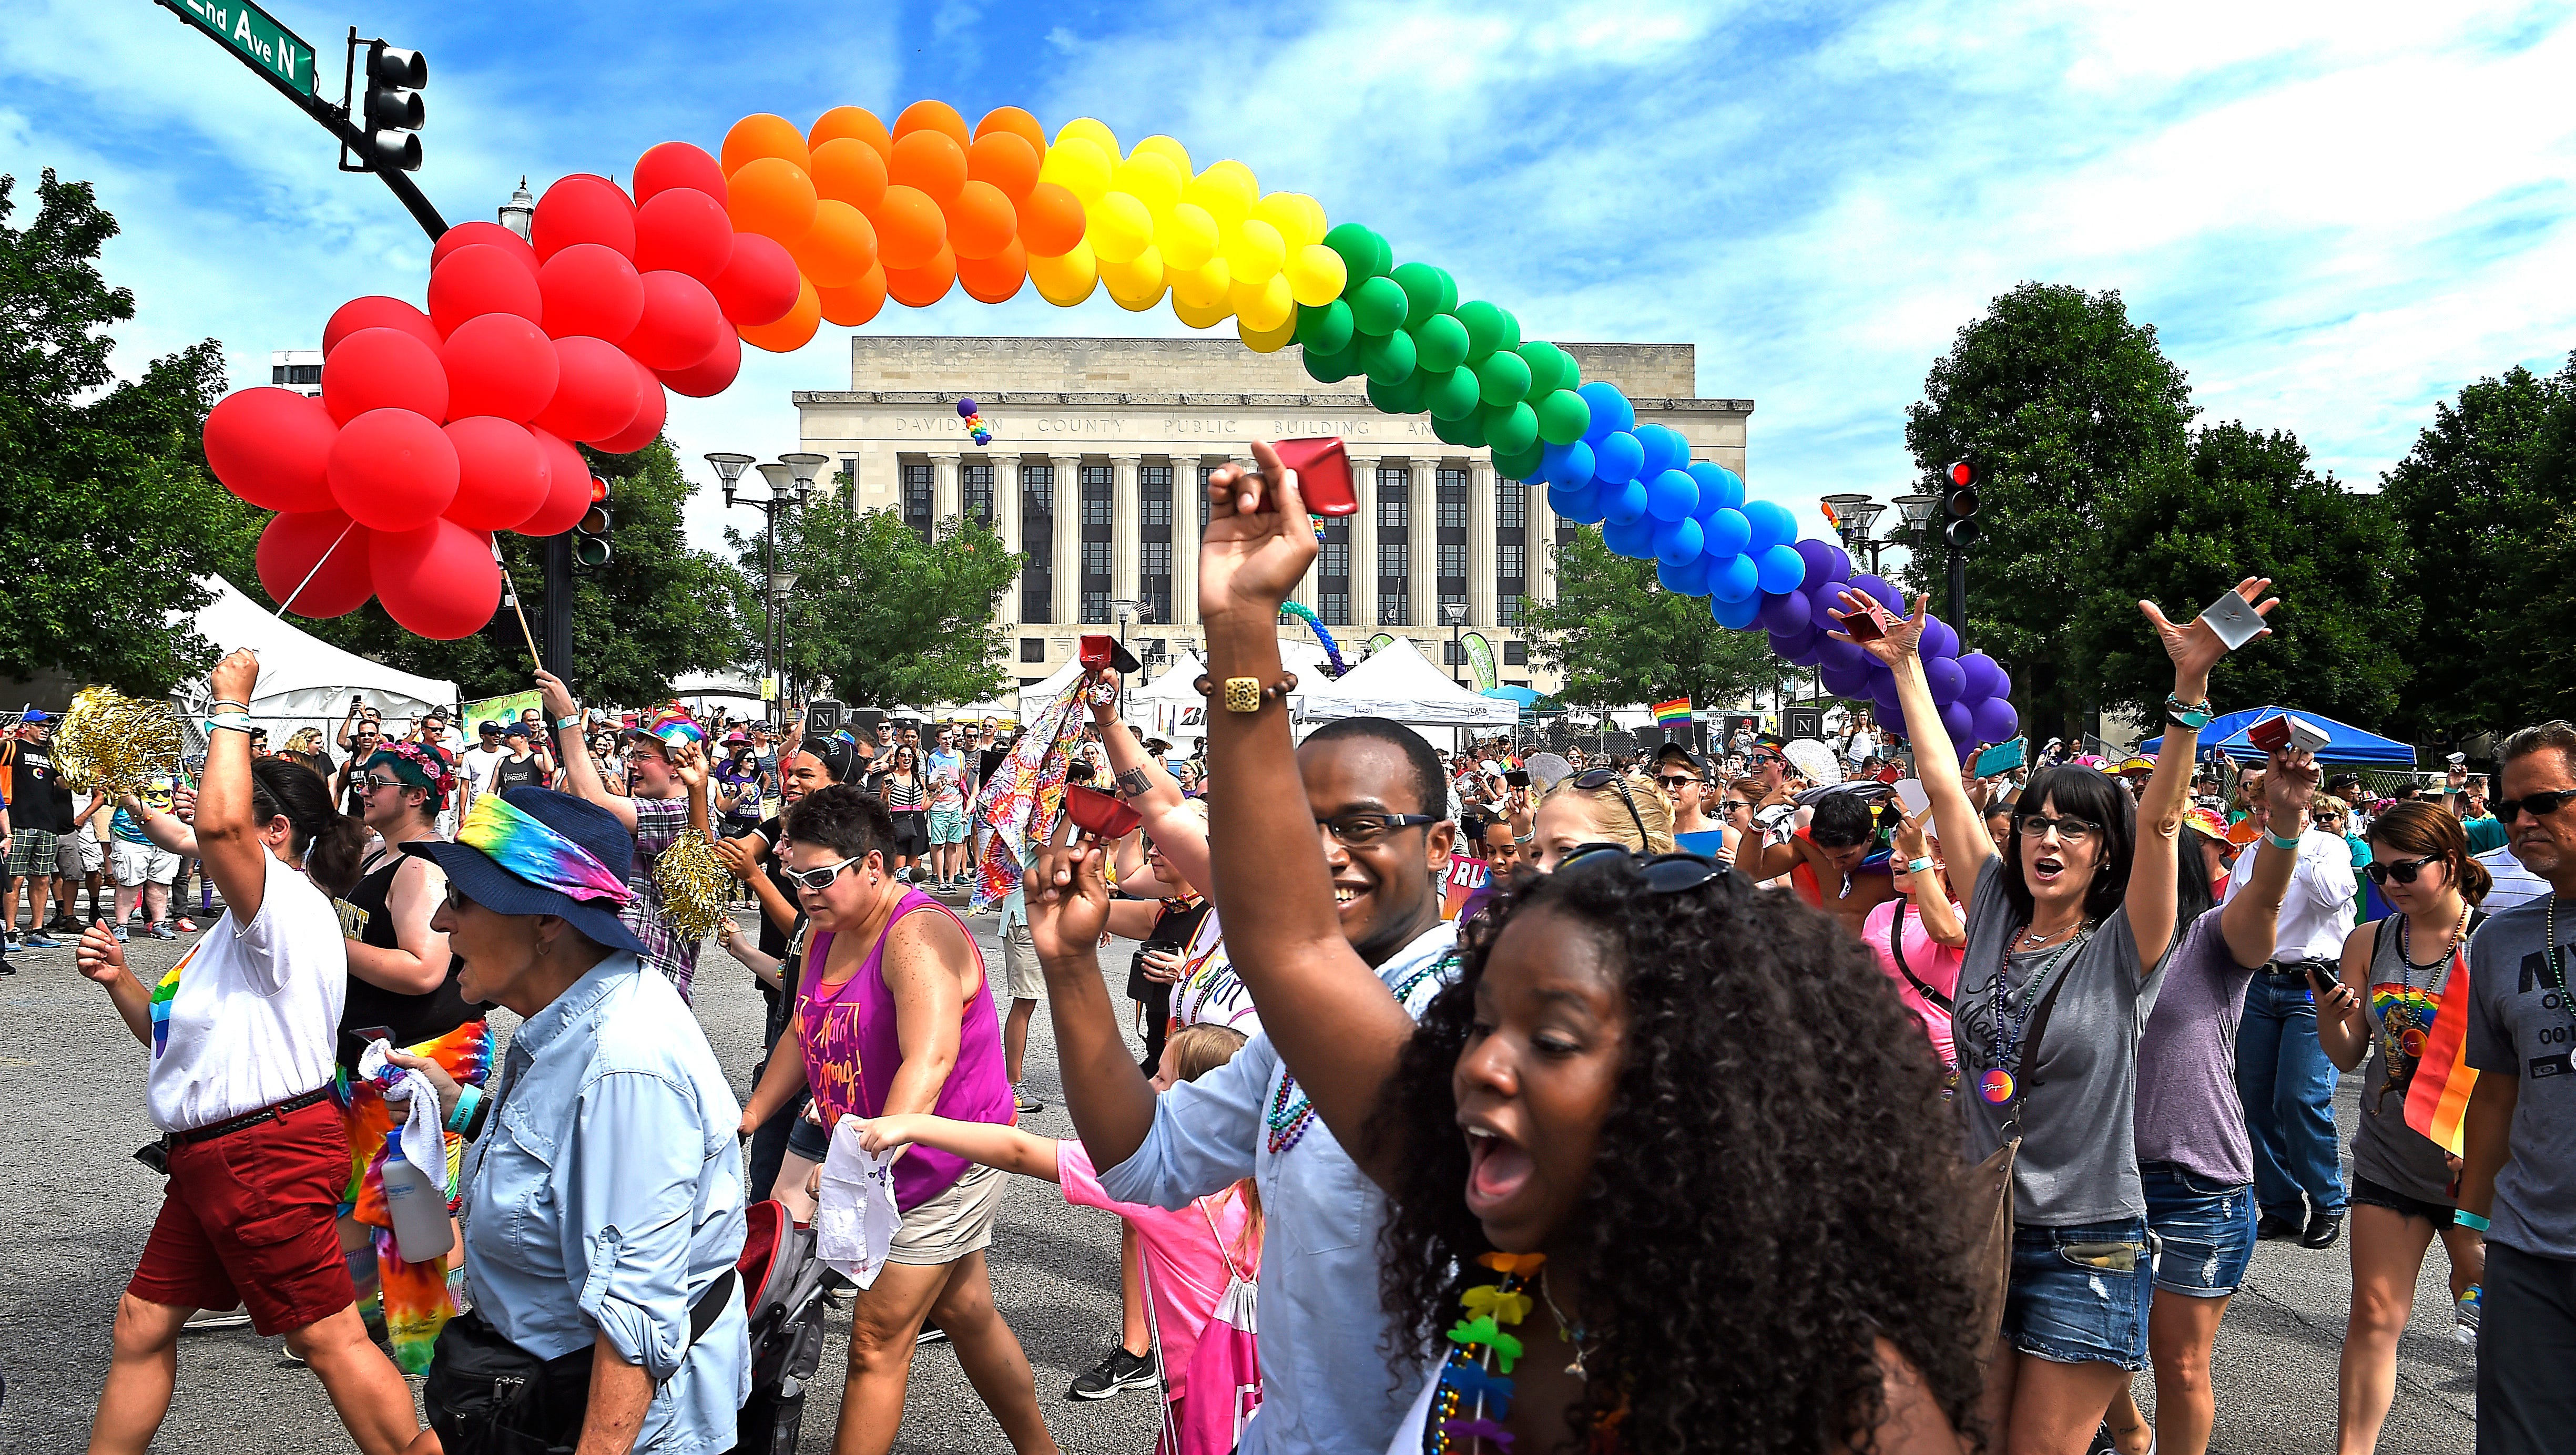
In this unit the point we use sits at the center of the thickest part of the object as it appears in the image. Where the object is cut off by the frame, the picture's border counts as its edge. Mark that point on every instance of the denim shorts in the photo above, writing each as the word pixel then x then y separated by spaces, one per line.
pixel 2079 1294
pixel 2204 1229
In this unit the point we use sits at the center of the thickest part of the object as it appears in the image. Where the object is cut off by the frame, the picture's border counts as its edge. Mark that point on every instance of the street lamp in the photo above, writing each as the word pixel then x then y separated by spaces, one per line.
pixel 791 481
pixel 1456 612
pixel 1856 514
pixel 520 212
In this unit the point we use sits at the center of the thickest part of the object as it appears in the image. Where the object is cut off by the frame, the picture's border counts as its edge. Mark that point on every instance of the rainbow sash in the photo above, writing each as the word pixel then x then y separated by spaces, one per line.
pixel 2437 1096
pixel 166 991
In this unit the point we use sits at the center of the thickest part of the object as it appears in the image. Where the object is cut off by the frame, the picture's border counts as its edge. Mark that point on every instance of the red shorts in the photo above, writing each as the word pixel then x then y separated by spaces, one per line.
pixel 253 1217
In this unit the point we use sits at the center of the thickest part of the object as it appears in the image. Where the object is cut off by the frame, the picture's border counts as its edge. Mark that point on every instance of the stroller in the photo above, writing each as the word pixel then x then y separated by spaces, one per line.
pixel 782 1284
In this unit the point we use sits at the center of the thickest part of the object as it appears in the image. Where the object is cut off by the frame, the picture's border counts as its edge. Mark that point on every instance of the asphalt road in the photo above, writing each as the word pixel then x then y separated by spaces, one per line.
pixel 79 1208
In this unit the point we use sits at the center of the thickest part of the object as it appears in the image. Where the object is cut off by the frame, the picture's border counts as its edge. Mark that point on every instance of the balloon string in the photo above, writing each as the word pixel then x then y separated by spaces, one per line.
pixel 510 590
pixel 317 568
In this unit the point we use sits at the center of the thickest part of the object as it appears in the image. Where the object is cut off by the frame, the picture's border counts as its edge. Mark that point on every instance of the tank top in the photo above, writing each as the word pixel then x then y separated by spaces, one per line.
pixel 901 794
pixel 412 1018
pixel 852 1051
pixel 2403 1002
pixel 509 773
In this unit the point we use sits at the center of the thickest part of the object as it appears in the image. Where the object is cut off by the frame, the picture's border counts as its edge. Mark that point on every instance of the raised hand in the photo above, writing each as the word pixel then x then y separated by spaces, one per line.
pixel 1907 839
pixel 101 958
pixel 1900 639
pixel 688 765
pixel 1068 898
pixel 2289 782
pixel 2194 647
pixel 234 676
pixel 1258 543
pixel 556 696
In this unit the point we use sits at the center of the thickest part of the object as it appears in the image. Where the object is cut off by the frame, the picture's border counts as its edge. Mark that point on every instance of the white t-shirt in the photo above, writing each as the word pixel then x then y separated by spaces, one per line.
pixel 478 764
pixel 251 1014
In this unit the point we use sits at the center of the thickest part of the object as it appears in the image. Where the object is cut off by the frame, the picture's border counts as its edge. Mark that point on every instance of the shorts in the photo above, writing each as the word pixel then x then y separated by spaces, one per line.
pixel 253 1218
pixel 957 1222
pixel 2379 1194
pixel 911 838
pixel 2079 1294
pixel 78 855
pixel 138 864
pixel 2204 1230
pixel 807 1140
pixel 1021 973
pixel 948 825
pixel 31 854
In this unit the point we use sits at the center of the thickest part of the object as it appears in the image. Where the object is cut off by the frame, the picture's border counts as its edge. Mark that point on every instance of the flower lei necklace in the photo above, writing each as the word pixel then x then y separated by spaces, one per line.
pixel 1474 1395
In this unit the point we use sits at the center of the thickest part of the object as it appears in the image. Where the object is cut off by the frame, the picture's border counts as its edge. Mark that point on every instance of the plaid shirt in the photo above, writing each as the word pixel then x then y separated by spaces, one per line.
pixel 659 822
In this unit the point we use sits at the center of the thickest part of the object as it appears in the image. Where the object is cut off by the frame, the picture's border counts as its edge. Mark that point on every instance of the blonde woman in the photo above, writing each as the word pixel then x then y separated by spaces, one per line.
pixel 1597 806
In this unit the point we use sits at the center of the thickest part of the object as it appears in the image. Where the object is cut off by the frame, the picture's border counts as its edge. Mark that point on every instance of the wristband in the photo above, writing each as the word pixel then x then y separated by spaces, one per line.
pixel 2278 842
pixel 482 1113
pixel 2189 715
pixel 467 1099
pixel 2466 1218
pixel 1917 866
pixel 568 723
pixel 238 722
pixel 228 702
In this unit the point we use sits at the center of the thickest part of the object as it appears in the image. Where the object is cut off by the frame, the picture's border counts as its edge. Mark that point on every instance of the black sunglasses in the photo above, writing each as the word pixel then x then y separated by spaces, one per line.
pixel 2538 805
pixel 2401 870
pixel 1665 873
pixel 1594 779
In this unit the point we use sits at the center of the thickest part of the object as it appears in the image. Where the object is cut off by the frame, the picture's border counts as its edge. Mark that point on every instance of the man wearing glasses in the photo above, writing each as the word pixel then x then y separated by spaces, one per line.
pixel 1684 777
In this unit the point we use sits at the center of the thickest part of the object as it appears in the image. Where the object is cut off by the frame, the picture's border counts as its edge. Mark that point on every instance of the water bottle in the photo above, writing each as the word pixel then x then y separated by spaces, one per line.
pixel 2464 1316
pixel 417 1204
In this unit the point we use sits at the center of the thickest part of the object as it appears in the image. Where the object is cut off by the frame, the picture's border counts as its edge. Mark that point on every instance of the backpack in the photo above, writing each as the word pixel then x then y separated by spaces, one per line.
pixel 782 1284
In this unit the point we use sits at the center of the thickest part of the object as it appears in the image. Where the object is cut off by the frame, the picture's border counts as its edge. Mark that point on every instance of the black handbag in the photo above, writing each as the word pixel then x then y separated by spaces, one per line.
pixel 487 1396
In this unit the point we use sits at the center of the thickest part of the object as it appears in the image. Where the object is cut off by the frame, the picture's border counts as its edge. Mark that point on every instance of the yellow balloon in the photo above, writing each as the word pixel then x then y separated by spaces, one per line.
pixel 1315 275
pixel 1317 224
pixel 1195 316
pixel 1067 280
pixel 1254 251
pixel 1120 227
pixel 1152 179
pixel 1185 236
pixel 1227 190
pixel 1166 147
pixel 1266 341
pixel 1205 286
pixel 1137 283
pixel 1092 130
pixel 1286 211
pixel 1079 166
pixel 1264 304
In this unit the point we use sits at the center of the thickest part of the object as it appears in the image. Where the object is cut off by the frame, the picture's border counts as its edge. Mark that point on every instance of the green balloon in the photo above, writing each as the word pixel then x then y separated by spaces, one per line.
pixel 1377 307
pixel 1453 395
pixel 1511 428
pixel 1484 328
pixel 1504 377
pixel 1546 366
pixel 1510 337
pixel 1387 359
pixel 1362 253
pixel 1467 433
pixel 1421 283
pixel 1442 342
pixel 1563 417
pixel 1330 368
pixel 1522 466
pixel 1570 376
pixel 1403 397
pixel 1327 328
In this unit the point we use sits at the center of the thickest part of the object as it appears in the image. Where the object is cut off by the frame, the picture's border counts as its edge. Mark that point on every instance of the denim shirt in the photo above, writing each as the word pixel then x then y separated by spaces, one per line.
pixel 1326 1376
pixel 607 1195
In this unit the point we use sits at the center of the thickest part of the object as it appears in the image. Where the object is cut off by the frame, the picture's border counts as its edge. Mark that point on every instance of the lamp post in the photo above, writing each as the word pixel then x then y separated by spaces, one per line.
pixel 790 480
pixel 1456 611
pixel 1857 513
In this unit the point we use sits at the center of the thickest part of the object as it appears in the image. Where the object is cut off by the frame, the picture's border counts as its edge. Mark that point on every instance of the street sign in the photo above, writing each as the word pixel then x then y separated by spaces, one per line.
pixel 257 35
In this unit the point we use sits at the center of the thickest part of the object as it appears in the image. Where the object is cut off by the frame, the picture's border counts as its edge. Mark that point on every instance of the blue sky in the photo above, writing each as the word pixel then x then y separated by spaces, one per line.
pixel 2335 215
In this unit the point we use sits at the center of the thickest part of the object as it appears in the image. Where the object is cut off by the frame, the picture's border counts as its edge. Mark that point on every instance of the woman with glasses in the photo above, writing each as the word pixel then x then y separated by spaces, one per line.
pixel 2069 928
pixel 1601 805
pixel 906 797
pixel 2333 815
pixel 2395 973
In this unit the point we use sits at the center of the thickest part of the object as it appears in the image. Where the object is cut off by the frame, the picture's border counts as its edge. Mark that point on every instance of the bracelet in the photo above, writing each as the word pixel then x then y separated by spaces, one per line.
pixel 466 1098
pixel 228 702
pixel 1917 866
pixel 2467 1218
pixel 2278 842
pixel 1246 694
pixel 568 723
pixel 2192 716
pixel 238 722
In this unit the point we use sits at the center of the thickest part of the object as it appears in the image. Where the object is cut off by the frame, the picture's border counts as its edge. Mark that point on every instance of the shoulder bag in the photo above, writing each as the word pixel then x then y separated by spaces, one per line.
pixel 1990 1182
pixel 487 1396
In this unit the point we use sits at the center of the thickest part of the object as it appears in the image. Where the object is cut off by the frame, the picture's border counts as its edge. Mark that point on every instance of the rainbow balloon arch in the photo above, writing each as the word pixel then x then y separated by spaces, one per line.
pixel 437 428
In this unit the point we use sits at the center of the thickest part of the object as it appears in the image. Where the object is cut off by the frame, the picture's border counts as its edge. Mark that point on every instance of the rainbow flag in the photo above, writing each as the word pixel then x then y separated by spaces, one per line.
pixel 1677 710
pixel 163 993
pixel 1831 519
pixel 2438 1095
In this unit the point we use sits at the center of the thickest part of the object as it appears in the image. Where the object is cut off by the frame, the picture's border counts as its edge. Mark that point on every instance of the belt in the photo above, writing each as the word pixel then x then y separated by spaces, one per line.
pixel 247 1120
pixel 2296 968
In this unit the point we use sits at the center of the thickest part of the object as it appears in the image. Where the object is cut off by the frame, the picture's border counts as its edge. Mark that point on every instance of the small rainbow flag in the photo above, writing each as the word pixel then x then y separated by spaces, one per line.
pixel 1831 519
pixel 1677 710
pixel 2437 1097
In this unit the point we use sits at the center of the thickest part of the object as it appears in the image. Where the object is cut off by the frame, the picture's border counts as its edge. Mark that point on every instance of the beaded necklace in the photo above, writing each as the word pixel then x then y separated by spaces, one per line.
pixel 1474 1396
pixel 1290 1112
pixel 1996 1086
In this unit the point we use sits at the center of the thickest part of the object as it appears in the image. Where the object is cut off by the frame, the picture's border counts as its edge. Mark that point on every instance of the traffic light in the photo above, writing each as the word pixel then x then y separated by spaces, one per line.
pixel 1958 509
pixel 590 538
pixel 393 108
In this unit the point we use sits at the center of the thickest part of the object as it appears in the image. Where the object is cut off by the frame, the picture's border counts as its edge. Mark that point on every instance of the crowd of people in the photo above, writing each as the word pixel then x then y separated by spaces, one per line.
pixel 1428 1072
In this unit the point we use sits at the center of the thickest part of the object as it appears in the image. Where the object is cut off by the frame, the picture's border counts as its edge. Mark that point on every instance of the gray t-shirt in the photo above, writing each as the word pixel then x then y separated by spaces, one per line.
pixel 2402 1003
pixel 2079 1150
pixel 2188 1111
pixel 2520 1025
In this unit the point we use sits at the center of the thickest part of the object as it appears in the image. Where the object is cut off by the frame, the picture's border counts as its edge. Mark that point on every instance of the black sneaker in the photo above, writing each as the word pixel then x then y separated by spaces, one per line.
pixel 1121 1370
pixel 2271 1227
pixel 2323 1229
pixel 930 1333
pixel 1024 1103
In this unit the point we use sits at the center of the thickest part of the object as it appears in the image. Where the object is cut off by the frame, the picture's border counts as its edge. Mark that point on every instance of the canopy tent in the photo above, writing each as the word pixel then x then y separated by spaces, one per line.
pixel 1177 682
pixel 2226 735
pixel 1400 683
pixel 303 680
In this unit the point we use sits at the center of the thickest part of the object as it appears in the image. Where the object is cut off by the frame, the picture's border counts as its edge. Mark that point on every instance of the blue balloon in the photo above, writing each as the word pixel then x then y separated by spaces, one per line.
pixel 1611 411
pixel 1714 493
pixel 1676 541
pixel 1566 464
pixel 1734 578
pixel 1617 457
pixel 1578 503
pixel 1688 579
pixel 1780 569
pixel 1737 615
pixel 1728 532
pixel 1622 502
pixel 1633 538
pixel 1665 447
pixel 1672 495
pixel 1772 524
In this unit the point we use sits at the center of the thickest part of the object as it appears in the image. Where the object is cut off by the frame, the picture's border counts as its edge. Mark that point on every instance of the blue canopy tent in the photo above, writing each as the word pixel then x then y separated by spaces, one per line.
pixel 2226 735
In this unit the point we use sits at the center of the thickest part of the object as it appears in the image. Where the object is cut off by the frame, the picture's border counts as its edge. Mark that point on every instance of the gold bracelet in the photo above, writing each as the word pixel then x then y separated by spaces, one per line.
pixel 1246 694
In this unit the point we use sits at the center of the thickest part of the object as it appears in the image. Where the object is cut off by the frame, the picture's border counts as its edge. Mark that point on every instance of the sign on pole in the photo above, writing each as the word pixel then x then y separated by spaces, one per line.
pixel 258 36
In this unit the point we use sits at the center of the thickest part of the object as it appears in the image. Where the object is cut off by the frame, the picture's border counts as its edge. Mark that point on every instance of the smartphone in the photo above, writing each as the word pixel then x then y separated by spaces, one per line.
pixel 2002 758
pixel 1516 777
pixel 1323 474
pixel 1097 651
pixel 2321 978
pixel 2234 619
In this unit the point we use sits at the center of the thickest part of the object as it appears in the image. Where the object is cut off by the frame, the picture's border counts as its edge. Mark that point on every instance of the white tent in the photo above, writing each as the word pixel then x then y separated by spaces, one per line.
pixel 1400 683
pixel 304 681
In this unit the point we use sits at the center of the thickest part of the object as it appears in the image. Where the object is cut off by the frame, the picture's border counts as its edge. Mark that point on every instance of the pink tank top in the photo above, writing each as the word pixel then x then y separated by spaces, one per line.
pixel 852 1052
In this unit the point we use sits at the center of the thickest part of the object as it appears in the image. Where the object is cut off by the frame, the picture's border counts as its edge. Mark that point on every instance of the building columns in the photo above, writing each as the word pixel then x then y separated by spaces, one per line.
pixel 1364 546
pixel 1187 492
pixel 1126 521
pixel 947 499
pixel 1541 552
pixel 1423 537
pixel 1482 505
pixel 1068 540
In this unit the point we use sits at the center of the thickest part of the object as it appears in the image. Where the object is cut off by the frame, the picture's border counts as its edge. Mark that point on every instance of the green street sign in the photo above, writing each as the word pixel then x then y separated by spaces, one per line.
pixel 257 35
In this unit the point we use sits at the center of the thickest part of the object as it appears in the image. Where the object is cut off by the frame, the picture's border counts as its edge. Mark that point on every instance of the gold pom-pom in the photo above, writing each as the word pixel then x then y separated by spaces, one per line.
pixel 114 742
pixel 696 887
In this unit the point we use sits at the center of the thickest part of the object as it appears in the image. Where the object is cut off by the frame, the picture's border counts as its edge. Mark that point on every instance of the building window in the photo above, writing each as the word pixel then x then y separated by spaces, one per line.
pixel 1508 610
pixel 1037 542
pixel 1097 483
pixel 978 481
pixel 1454 653
pixel 1158 558
pixel 1511 561
pixel 1334 607
pixel 1095 606
pixel 1515 654
pixel 1154 494
pixel 1095 562
pixel 1335 559
pixel 1390 560
pixel 1511 505
pixel 1204 472
pixel 1032 649
pixel 1394 610
pixel 1154 578
pixel 1453 561
pixel 1394 496
pixel 1453 499
pixel 916 498
pixel 1394 546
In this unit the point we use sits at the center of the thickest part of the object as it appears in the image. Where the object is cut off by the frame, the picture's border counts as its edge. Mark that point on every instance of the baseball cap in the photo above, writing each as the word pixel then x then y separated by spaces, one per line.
pixel 491 726
pixel 512 730
pixel 1697 763
pixel 35 715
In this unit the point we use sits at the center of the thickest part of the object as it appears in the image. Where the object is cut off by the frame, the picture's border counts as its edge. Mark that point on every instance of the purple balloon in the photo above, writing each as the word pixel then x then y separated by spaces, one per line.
pixel 1785 612
pixel 1735 579
pixel 1876 586
pixel 1688 579
pixel 1622 500
pixel 2003 688
pixel 1946 678
pixel 1938 639
pixel 1736 615
pixel 1960 724
pixel 1578 503
pixel 1846 655
pixel 1840 681
pixel 1790 643
pixel 1983 674
pixel 1887 707
pixel 1819 558
pixel 1841 569
pixel 1804 656
pixel 1996 721
pixel 1633 538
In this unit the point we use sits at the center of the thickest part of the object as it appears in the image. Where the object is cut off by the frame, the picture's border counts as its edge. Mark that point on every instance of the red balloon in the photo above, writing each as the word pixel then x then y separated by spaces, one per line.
pixel 384 368
pixel 678 164
pixel 439 581
pixel 376 312
pixel 760 284
pixel 686 231
pixel 590 289
pixel 392 469
pixel 583 209
pixel 651 408
pixel 711 375
pixel 681 322
pixel 596 395
pixel 499 364
pixel 290 547
pixel 479 280
pixel 567 488
pixel 501 475
pixel 272 447
pixel 482 234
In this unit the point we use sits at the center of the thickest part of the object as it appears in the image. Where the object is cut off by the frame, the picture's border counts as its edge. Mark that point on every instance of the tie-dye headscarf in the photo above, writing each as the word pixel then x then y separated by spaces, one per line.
pixel 673 725
pixel 526 848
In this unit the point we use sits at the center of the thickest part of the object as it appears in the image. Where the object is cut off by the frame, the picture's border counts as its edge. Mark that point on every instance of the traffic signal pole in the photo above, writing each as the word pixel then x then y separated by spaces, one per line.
pixel 1958 589
pixel 556 638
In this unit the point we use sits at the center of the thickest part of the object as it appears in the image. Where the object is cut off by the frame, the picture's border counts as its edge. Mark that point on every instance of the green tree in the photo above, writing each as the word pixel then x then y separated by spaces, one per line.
pixel 2067 405
pixel 2245 503
pixel 107 513
pixel 1619 637
pixel 885 615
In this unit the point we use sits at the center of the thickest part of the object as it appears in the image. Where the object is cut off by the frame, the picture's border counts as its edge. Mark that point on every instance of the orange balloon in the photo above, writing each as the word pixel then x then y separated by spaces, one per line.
pixel 839 248
pixel 981 221
pixel 923 286
pixel 855 122
pixel 771 196
pixel 1015 121
pixel 1051 221
pixel 849 307
pixel 1006 160
pixel 763 135
pixel 994 279
pixel 910 228
pixel 936 116
pixel 929 160
pixel 847 169
pixel 792 332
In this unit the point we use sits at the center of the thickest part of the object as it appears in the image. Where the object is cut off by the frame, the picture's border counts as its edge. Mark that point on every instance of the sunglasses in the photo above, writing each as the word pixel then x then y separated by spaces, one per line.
pixel 1730 805
pixel 2538 805
pixel 1592 780
pixel 2324 816
pixel 1359 830
pixel 2401 870
pixel 820 879
pixel 373 782
pixel 1677 782
pixel 2068 830
pixel 1664 873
